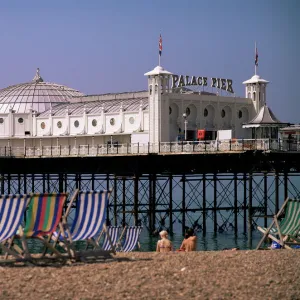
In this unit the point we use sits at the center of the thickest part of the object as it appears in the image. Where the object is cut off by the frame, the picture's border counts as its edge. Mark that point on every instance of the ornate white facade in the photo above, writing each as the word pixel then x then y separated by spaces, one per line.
pixel 39 114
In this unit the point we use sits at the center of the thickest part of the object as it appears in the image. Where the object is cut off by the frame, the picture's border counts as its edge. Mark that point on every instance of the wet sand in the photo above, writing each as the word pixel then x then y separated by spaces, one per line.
pixel 140 275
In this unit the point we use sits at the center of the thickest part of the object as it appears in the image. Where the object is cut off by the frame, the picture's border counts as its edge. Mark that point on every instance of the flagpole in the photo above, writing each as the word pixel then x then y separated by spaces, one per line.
pixel 255 57
pixel 159 49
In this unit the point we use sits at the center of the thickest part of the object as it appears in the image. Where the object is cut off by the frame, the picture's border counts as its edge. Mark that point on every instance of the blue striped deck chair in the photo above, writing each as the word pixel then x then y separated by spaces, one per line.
pixel 287 229
pixel 131 239
pixel 89 220
pixel 114 234
pixel 12 209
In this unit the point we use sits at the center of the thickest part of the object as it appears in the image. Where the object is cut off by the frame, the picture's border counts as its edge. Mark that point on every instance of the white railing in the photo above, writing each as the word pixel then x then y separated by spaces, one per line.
pixel 146 148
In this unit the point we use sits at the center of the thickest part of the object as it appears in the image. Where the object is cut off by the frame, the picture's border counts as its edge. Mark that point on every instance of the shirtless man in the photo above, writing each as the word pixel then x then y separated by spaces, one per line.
pixel 189 242
pixel 164 245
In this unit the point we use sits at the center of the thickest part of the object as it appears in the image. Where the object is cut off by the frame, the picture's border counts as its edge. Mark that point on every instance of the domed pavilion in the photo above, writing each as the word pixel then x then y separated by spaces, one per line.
pixel 36 95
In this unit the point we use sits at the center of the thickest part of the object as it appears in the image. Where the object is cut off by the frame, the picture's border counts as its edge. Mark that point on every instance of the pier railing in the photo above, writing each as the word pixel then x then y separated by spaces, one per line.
pixel 234 145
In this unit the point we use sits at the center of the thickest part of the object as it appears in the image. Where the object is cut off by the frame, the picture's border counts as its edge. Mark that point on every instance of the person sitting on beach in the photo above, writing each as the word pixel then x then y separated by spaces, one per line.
pixel 164 245
pixel 189 242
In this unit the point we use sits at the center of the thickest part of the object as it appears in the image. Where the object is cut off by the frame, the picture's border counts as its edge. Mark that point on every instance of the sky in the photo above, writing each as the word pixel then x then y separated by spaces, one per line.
pixel 106 46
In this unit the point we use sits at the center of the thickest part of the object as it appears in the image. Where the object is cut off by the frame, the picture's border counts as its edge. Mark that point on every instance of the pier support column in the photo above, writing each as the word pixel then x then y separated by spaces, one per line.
pixel 115 201
pixel 235 204
pixel 25 184
pixel 136 199
pixel 8 184
pixel 93 181
pixel 152 191
pixel 171 203
pixel 286 190
pixel 250 212
pixel 265 199
pixel 124 202
pixel 61 183
pixel 44 183
pixel 108 205
pixel 2 184
pixel 276 192
pixel 204 203
pixel 215 204
pixel 32 183
pixel 245 202
pixel 183 204
pixel 19 184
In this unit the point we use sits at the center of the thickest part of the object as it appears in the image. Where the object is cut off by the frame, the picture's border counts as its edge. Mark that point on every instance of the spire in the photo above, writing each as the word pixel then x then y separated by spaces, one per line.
pixel 37 78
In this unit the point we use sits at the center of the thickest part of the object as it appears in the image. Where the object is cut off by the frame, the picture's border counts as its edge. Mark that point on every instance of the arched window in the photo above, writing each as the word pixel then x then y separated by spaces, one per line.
pixel 254 96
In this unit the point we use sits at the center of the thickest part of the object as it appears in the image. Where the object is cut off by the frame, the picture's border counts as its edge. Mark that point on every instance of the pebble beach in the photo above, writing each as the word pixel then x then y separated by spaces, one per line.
pixel 263 274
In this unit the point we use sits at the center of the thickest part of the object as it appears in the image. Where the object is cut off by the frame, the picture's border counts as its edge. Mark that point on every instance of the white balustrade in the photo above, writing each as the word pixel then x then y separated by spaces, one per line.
pixel 145 148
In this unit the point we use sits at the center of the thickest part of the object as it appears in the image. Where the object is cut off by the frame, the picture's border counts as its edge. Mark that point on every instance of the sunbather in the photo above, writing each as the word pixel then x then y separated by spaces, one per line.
pixel 164 245
pixel 189 242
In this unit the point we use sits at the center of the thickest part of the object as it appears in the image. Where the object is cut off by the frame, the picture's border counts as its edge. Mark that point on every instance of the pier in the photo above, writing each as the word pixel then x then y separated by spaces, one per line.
pixel 208 190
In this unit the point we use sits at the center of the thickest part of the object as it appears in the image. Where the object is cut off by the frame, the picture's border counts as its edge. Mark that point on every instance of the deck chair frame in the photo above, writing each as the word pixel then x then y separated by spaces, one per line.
pixel 283 240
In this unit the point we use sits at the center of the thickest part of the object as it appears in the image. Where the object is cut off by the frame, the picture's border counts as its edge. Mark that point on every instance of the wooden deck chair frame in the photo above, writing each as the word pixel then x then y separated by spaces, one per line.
pixel 67 244
pixel 283 240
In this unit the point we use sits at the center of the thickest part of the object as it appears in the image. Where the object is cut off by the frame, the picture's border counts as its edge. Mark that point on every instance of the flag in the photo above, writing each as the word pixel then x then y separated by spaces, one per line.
pixel 256 57
pixel 160 45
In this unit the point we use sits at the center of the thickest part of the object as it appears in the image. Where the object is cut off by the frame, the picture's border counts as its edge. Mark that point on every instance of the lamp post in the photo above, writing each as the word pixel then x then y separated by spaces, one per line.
pixel 185 125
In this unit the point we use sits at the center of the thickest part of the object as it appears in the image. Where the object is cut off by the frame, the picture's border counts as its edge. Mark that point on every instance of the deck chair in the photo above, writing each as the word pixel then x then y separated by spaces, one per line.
pixel 288 228
pixel 12 209
pixel 43 215
pixel 89 220
pixel 131 239
pixel 113 233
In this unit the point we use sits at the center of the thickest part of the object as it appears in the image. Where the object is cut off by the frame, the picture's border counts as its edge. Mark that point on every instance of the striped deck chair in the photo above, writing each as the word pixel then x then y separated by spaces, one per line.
pixel 131 239
pixel 114 234
pixel 288 229
pixel 89 220
pixel 12 209
pixel 43 215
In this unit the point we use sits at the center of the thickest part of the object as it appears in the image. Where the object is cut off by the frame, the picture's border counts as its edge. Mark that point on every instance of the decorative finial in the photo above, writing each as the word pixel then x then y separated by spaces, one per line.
pixel 37 77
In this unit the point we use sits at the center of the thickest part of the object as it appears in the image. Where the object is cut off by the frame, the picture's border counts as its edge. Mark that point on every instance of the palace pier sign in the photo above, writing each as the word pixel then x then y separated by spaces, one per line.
pixel 184 80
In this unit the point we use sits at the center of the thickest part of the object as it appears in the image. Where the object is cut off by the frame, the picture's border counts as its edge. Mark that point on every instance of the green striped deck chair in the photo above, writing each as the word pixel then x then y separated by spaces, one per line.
pixel 43 216
pixel 286 231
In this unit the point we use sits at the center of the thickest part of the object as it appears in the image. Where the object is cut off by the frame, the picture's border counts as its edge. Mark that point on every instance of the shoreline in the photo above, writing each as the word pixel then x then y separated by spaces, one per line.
pixel 151 275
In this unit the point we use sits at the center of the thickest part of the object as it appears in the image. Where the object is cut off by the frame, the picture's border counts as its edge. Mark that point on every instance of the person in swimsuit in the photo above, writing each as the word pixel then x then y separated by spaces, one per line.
pixel 189 242
pixel 164 245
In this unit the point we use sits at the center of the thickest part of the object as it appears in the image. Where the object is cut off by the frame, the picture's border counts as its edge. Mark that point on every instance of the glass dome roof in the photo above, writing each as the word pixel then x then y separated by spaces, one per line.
pixel 36 95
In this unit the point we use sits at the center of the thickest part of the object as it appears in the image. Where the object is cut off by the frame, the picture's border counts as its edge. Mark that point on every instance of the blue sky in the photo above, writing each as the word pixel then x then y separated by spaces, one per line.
pixel 106 46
